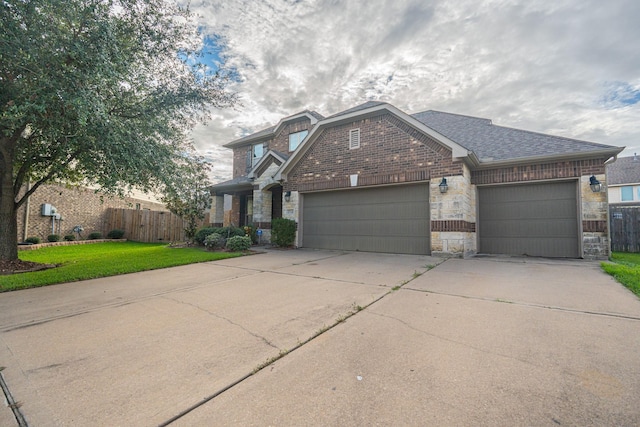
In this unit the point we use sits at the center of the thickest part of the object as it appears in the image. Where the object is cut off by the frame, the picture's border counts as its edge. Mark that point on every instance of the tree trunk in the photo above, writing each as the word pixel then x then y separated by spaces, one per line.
pixel 8 218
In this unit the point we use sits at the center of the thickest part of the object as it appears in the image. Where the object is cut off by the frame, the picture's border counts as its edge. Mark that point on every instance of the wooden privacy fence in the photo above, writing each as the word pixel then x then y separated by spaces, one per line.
pixel 146 226
pixel 625 228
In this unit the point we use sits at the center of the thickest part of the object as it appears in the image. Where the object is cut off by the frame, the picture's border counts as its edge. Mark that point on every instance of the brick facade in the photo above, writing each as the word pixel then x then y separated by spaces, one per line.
pixel 77 206
pixel 390 152
pixel 543 171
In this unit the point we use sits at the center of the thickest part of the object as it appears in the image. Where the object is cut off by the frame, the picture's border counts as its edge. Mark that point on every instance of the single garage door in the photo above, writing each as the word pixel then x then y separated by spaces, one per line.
pixel 532 219
pixel 387 219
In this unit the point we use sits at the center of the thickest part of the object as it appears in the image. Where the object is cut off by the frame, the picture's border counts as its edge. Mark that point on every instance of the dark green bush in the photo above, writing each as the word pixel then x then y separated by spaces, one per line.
pixel 238 243
pixel 202 233
pixel 283 232
pixel 227 232
pixel 70 237
pixel 115 234
pixel 33 240
pixel 95 235
pixel 214 241
pixel 53 238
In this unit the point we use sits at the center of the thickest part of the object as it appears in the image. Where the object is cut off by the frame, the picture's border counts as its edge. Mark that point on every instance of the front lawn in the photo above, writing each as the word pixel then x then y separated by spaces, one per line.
pixel 80 262
pixel 625 269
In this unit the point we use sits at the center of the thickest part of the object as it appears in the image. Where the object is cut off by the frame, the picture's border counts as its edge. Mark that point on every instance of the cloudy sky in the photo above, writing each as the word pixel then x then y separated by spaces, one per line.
pixel 565 67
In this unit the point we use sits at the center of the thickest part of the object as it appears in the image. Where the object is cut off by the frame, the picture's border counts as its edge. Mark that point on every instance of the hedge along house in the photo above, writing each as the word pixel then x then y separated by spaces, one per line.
pixel 373 178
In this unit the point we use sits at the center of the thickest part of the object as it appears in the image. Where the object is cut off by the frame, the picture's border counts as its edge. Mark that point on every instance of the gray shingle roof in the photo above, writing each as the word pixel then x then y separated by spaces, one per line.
pixel 364 106
pixel 496 143
pixel 625 170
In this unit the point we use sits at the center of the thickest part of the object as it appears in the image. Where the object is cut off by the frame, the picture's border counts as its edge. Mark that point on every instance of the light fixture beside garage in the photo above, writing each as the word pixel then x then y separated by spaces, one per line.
pixel 287 196
pixel 443 185
pixel 595 184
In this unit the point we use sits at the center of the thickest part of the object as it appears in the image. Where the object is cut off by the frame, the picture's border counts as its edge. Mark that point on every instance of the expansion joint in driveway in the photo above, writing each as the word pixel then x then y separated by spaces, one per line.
pixel 527 304
pixel 355 309
pixel 15 406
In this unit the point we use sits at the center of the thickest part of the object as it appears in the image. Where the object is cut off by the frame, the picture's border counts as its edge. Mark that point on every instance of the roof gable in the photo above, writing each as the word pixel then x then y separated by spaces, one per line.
pixel 365 110
pixel 271 157
pixel 273 130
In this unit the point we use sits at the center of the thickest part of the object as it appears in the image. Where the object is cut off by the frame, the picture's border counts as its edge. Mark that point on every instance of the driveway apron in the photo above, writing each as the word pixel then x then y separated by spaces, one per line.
pixel 397 342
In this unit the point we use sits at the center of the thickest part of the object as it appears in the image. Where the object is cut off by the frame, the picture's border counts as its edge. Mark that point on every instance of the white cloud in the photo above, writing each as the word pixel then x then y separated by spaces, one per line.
pixel 546 66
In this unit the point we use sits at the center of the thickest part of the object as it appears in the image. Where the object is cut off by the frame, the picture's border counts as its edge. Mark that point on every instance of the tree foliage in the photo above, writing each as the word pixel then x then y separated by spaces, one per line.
pixel 101 92
pixel 188 195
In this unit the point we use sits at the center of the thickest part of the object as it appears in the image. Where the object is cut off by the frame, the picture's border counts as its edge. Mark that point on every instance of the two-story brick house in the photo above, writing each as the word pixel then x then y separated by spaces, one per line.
pixel 373 178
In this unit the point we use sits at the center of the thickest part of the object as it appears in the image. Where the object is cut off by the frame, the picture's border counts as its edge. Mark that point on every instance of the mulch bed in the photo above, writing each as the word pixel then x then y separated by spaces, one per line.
pixel 19 266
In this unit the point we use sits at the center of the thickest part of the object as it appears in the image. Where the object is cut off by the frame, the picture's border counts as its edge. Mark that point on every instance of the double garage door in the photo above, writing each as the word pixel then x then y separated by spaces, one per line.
pixel 529 219
pixel 392 219
pixel 532 219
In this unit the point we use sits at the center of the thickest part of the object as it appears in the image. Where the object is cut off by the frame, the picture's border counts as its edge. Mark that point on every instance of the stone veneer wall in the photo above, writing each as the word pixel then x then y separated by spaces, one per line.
pixel 453 216
pixel 596 242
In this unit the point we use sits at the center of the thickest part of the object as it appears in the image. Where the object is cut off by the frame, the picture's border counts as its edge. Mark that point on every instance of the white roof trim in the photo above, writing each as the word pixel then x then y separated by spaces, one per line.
pixel 458 151
pixel 269 153
pixel 278 128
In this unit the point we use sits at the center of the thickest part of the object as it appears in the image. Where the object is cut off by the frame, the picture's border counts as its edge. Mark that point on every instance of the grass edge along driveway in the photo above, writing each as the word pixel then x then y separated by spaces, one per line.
pixel 82 262
pixel 625 268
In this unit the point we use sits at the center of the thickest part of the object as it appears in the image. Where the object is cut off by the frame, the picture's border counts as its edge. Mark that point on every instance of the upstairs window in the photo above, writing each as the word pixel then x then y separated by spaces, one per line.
pixel 627 193
pixel 296 138
pixel 254 154
pixel 258 151
pixel 354 139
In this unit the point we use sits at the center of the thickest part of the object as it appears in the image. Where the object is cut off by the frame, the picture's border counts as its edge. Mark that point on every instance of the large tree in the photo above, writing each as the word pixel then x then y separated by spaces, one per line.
pixel 97 91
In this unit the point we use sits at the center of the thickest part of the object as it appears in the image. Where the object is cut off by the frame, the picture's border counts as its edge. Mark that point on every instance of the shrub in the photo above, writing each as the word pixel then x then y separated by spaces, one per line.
pixel 283 232
pixel 33 240
pixel 95 235
pixel 70 237
pixel 225 232
pixel 115 234
pixel 202 233
pixel 53 238
pixel 214 241
pixel 231 231
pixel 251 231
pixel 238 243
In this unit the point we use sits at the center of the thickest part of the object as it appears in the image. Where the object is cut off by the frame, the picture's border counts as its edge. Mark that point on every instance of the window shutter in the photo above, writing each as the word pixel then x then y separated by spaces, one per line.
pixel 354 139
pixel 249 159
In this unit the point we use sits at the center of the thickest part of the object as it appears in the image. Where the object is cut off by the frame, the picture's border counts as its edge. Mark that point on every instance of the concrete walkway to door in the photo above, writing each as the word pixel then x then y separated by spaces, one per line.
pixel 494 341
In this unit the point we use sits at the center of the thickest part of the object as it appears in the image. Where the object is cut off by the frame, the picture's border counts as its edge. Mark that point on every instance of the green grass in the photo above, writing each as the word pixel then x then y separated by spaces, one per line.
pixel 81 262
pixel 625 269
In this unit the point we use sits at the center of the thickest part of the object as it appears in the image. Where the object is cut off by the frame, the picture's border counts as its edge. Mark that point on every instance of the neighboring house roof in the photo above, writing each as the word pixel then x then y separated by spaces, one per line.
pixel 625 170
pixel 273 130
pixel 492 143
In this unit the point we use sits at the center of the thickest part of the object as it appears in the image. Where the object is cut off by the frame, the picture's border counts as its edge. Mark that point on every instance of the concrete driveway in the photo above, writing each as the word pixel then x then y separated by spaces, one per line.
pixel 494 341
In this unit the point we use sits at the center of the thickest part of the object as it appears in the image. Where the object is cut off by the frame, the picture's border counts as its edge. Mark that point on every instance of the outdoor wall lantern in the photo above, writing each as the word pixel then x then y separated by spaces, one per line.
pixel 595 184
pixel 443 186
pixel 287 196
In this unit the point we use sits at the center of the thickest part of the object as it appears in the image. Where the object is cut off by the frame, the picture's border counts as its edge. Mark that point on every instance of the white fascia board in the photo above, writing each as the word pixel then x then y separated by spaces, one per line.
pixel 585 155
pixel 248 139
pixel 270 153
pixel 458 151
